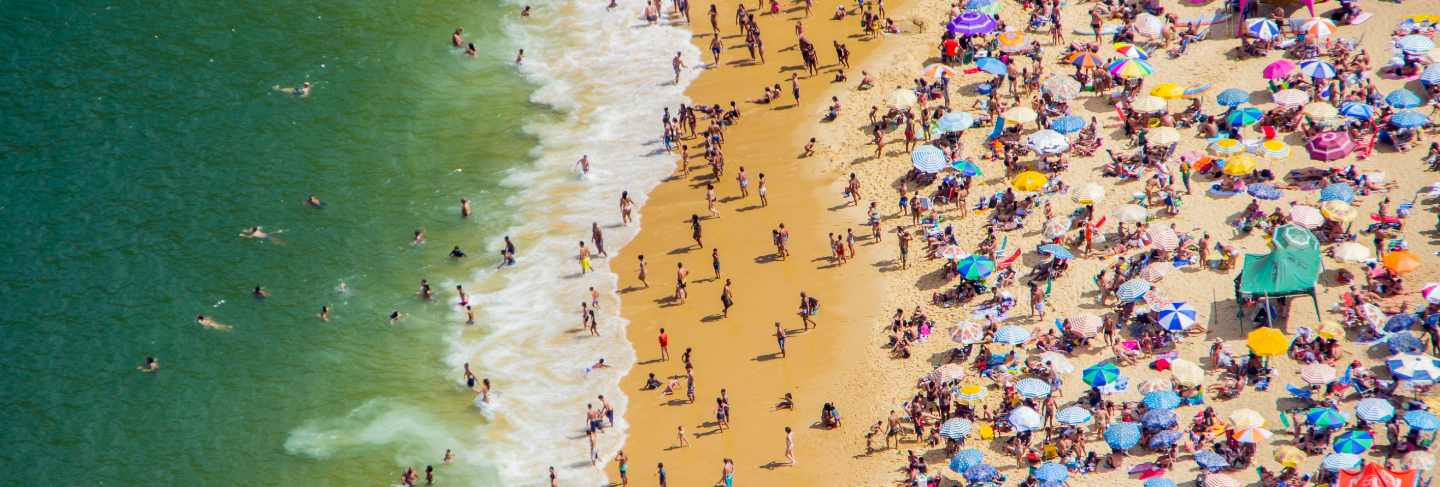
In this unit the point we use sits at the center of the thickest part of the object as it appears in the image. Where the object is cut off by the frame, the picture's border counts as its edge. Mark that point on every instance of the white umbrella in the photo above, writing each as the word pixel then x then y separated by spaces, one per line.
pixel 1186 373
pixel 1024 418
pixel 902 99
pixel 1317 374
pixel 1088 194
pixel 1352 252
pixel 1047 142
pixel 1148 104
pixel 1057 362
pixel 1020 115
pixel 1162 136
pixel 1056 227
pixel 1306 216
pixel 1291 98
pixel 1130 213
pixel 1149 25
pixel 1061 87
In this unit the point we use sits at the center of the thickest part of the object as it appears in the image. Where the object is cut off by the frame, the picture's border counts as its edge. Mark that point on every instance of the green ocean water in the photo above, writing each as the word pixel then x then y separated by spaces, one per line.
pixel 140 138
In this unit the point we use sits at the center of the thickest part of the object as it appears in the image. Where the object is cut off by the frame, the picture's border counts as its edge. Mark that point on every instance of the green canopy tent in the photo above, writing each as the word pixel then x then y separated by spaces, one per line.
pixel 1291 269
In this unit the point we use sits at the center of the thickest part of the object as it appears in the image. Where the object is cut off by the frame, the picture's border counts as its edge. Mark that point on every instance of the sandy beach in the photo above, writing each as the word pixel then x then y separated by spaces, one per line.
pixel 844 361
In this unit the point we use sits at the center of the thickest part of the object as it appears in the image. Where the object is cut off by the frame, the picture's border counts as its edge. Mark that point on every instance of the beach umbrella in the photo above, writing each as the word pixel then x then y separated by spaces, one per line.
pixel 1162 136
pixel 1087 194
pixel 1158 482
pixel 992 65
pixel 946 373
pixel 1263 191
pixel 1317 374
pixel 1227 146
pixel 980 473
pixel 1329 146
pixel 1148 104
pixel 1240 165
pixel 1330 329
pixel 1278 69
pixel 1032 388
pixel 1421 420
pixel 1402 98
pixel 1061 87
pixel 1024 418
pixel 1161 400
pixel 1149 25
pixel 1414 367
pixel 1068 124
pixel 1100 374
pixel 1155 271
pixel 1051 472
pixel 1086 324
pixel 1306 216
pixel 1431 75
pixel 1186 373
pixel 991 7
pixel 1168 91
pixel 1131 213
pixel 1317 28
pixel 1073 416
pixel 1262 28
pixel 1047 142
pixel 1289 456
pixel 1276 150
pixel 1220 479
pixel 967 333
pixel 1011 41
pixel 956 121
pixel 1336 462
pixel 1415 44
pixel 1011 335
pixel 1131 51
pixel 1154 385
pixel 1057 362
pixel 1209 459
pixel 1232 97
pixel 1246 418
pixel 1408 119
pixel 1177 316
pixel 955 428
pixel 1290 98
pixel 1337 210
pixel 1431 292
pixel 1056 251
pixel 1355 109
pixel 1158 419
pixel 1400 261
pixel 971 392
pixel 902 99
pixel 1420 460
pixel 1338 191
pixel 1133 290
pixel 1352 252
pixel 1267 342
pixel 1084 60
pixel 1252 435
pixel 1129 68
pixel 1020 115
pixel 971 23
pixel 1324 418
pixel 1315 68
pixel 1244 116
pixel 939 71
pixel 1355 441
pixel 965 459
pixel 1404 343
pixel 966 168
pixel 1056 227
pixel 1320 110
pixel 975 267
pixel 1374 409
pixel 1401 322
pixel 1121 436
pixel 1164 439
pixel 929 159
pixel 1029 182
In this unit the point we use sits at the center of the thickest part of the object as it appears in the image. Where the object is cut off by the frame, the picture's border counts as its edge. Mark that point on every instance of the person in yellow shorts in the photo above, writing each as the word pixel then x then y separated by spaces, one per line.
pixel 585 259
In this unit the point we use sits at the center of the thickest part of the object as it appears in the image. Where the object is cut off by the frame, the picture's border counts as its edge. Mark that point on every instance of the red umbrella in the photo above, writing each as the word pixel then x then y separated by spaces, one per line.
pixel 1329 146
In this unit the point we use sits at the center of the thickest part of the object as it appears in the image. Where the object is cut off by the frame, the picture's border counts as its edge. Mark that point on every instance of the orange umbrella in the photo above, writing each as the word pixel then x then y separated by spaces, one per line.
pixel 1401 261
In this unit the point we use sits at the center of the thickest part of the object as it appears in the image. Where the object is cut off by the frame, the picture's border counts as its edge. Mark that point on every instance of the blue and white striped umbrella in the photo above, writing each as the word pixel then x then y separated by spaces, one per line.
pixel 1209 459
pixel 1158 482
pixel 1164 439
pixel 1336 462
pixel 1355 109
pixel 955 428
pixel 1177 316
pixel 1161 400
pixel 1317 69
pixel 1011 335
pixel 964 459
pixel 1414 367
pixel 1415 44
pixel 1024 418
pixel 1032 388
pixel 1158 419
pixel 956 121
pixel 1338 192
pixel 1074 416
pixel 928 158
pixel 980 473
pixel 1121 436
pixel 1232 97
pixel 1262 191
pixel 1431 75
pixel 1068 124
pixel 1262 28
pixel 1374 410
pixel 1055 251
pixel 1133 290
pixel 1408 119
pixel 1422 420
pixel 1402 98
pixel 1051 472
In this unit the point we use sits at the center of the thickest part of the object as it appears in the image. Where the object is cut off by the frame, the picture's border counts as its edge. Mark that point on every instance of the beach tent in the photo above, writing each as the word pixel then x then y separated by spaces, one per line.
pixel 1375 475
pixel 1291 269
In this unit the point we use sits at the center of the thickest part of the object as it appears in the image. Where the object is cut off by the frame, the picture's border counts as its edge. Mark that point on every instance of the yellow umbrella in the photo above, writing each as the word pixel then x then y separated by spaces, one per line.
pixel 1321 109
pixel 1246 418
pixel 1275 150
pixel 1162 136
pixel 1168 91
pixel 1240 165
pixel 1186 373
pixel 1011 40
pixel 1227 146
pixel 1289 456
pixel 1339 211
pixel 1330 329
pixel 1029 182
pixel 971 390
pixel 1020 115
pixel 1267 342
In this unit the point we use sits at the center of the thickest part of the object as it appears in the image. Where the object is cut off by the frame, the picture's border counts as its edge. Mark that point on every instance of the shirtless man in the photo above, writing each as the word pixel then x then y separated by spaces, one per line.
pixel 211 324
pixel 679 64
pixel 584 164
pixel 300 91
pixel 455 39
pixel 254 232
pixel 464 208
pixel 150 365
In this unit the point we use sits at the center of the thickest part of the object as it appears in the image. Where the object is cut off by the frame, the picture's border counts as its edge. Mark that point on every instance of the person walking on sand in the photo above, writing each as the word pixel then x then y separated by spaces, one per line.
pixel 680 438
pixel 783 235
pixel 760 189
pixel 627 206
pixel 727 473
pixel 585 259
pixel 711 200
pixel 789 446
pixel 744 182
pixel 808 307
pixel 660 472
pixel 727 299
pixel 715 262
pixel 664 340
pixel 715 49
pixel 780 338
pixel 680 274
pixel 695 230
pixel 795 87
pixel 623 464
pixel 904 242
pixel 642 272
pixel 598 239
pixel 852 189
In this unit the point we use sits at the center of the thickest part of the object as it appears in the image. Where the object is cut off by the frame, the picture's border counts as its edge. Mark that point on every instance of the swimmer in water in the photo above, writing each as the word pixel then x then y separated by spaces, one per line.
pixel 300 91
pixel 211 324
pixel 260 293
pixel 449 457
pixel 313 201
pixel 395 316
pixel 583 164
pixel 600 364
pixel 419 237
pixel 525 12
pixel 464 208
pixel 520 57
pixel 150 365
pixel 457 253
pixel 455 39
pixel 254 232
pixel 470 49
pixel 325 313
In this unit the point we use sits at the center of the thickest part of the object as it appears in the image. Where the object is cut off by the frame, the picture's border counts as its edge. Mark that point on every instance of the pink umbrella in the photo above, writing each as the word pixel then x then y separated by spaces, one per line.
pixel 1278 69
pixel 1329 146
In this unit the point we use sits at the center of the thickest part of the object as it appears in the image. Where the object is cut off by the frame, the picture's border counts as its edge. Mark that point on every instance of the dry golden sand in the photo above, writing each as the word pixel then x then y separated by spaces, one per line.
pixel 843 361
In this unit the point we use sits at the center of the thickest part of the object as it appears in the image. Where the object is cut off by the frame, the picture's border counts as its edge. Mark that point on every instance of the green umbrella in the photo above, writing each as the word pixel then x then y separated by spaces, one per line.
pixel 975 267
pixel 1100 374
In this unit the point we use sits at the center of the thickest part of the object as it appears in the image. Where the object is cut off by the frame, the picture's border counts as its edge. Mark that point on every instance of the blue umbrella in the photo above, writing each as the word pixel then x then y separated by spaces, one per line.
pixel 1056 251
pixel 1404 343
pixel 1402 98
pixel 1209 459
pixel 1408 119
pixel 1355 109
pixel 1336 462
pixel 1431 75
pixel 1415 368
pixel 1100 374
pixel 1374 409
pixel 956 121
pixel 1159 482
pixel 966 168
pixel 1158 419
pixel 1176 316
pixel 1032 388
pixel 1338 191
pixel 1422 420
pixel 928 158
pixel 1051 472
pixel 975 267
pixel 1415 44
pixel 964 459
pixel 980 473
pixel 1317 69
pixel 1164 439
pixel 992 66
pixel 1325 417
pixel 1401 322
pixel 1121 436
pixel 1232 97
pixel 1263 191
pixel 979 4
pixel 1244 116
pixel 1073 416
pixel 955 428
pixel 1161 400
pixel 1011 335
pixel 1068 124
pixel 1353 441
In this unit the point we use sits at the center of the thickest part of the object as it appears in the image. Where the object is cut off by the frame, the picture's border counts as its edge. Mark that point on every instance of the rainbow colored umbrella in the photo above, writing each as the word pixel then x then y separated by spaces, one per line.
pixel 1084 60
pixel 1129 68
pixel 1131 51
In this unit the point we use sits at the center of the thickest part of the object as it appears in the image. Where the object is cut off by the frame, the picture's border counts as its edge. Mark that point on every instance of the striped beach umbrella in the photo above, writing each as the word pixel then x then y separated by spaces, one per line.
pixel 929 159
pixel 955 428
pixel 1161 400
pixel 1306 216
pixel 1291 98
pixel 1218 479
pixel 971 23
pixel 1147 104
pixel 946 373
pixel 1422 420
pixel 1355 109
pixel 964 459
pixel 1068 124
pixel 1244 116
pixel 1325 418
pixel 1431 292
pixel 1122 436
pixel 1374 409
pixel 956 121
pixel 1262 28
pixel 1402 98
pixel 1262 191
pixel 1415 44
pixel 1162 136
pixel 1129 68
pixel 1420 460
pixel 1133 290
pixel 1131 51
pixel 1163 238
pixel 1084 60
pixel 1051 472
pixel 1032 388
pixel 939 71
pixel 1158 482
pixel 980 473
pixel 1278 69
pixel 1431 75
pixel 1315 68
pixel 1088 324
pixel 1074 416
pixel 1319 110
pixel 1317 374
pixel 1338 192
pixel 1354 441
pixel 1055 251
pixel 1227 146
pixel 1047 142
pixel 992 65
pixel 975 267
pixel 1317 28
pixel 1336 462
pixel 1024 418
pixel 1329 146
pixel 1155 271
pixel 1100 374
pixel 1061 87
pixel 1011 335
pixel 970 392
pixel 1177 316
pixel 1408 119
pixel 1252 435
pixel 1232 97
